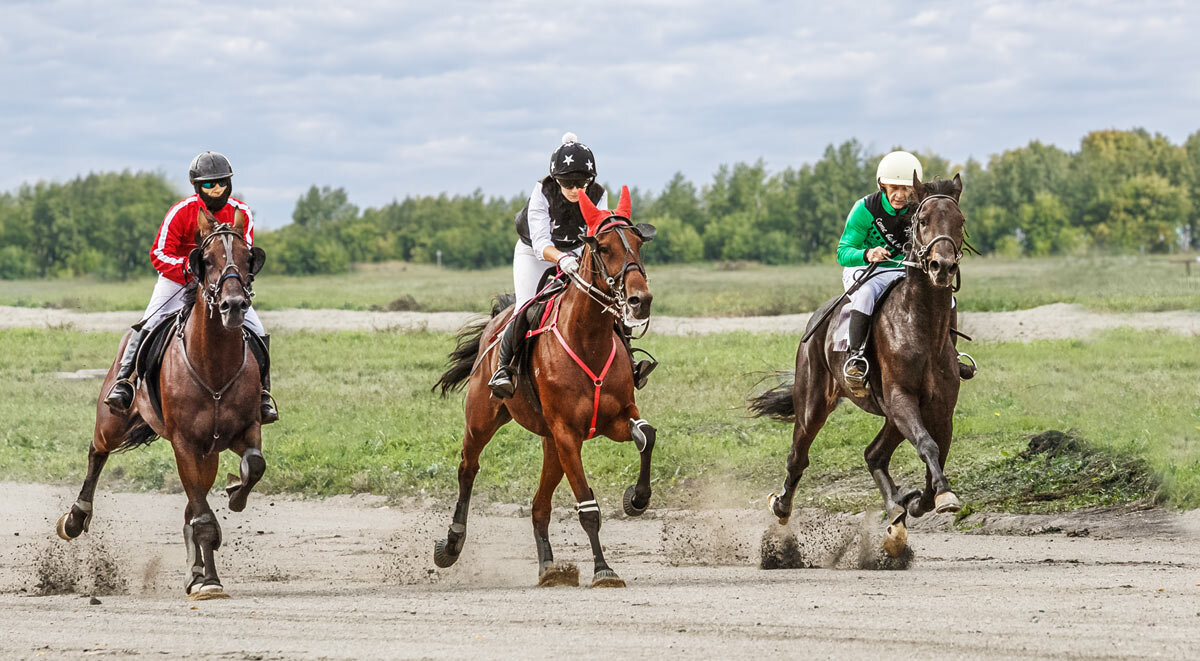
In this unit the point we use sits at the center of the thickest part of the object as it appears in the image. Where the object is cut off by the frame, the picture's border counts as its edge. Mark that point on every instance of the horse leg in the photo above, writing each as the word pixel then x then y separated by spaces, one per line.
pixel 569 455
pixel 549 574
pixel 77 520
pixel 929 500
pixel 476 436
pixel 252 468
pixel 879 455
pixel 637 496
pixel 908 419
pixel 201 532
pixel 812 409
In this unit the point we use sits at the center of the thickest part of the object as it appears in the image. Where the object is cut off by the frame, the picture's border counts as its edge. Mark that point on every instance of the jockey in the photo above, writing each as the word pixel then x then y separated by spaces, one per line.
pixel 549 228
pixel 211 175
pixel 877 230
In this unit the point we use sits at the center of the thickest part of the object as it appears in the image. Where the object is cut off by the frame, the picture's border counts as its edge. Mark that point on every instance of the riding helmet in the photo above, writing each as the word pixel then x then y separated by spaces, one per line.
pixel 572 158
pixel 897 168
pixel 209 166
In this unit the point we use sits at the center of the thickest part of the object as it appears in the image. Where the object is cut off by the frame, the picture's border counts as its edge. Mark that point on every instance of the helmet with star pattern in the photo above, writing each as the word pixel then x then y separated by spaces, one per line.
pixel 572 158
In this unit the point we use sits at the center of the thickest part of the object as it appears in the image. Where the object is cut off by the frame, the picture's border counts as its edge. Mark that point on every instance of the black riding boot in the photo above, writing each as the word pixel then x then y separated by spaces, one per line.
pixel 120 396
pixel 965 371
pixel 267 410
pixel 503 382
pixel 856 367
pixel 641 368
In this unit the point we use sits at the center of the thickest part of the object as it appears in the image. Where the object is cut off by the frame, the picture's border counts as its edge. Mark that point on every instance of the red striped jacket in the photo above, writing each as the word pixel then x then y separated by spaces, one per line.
pixel 177 236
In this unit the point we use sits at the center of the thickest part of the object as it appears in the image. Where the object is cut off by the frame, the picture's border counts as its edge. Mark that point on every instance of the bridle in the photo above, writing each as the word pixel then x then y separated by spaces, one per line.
pixel 231 271
pixel 614 301
pixel 917 256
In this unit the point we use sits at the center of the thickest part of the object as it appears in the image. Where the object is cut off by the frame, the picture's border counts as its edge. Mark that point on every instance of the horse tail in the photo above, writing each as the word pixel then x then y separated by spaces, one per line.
pixel 466 349
pixel 139 434
pixel 775 403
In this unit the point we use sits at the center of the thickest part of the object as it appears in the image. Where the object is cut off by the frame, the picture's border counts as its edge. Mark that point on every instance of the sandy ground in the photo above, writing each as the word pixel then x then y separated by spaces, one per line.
pixel 352 578
pixel 1060 320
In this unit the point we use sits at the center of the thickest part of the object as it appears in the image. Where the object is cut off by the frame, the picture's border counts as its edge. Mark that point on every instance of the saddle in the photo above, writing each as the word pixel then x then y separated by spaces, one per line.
pixel 831 307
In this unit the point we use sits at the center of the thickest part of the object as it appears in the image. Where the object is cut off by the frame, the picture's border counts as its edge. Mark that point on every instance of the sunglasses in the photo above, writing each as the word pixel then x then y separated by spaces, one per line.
pixel 209 185
pixel 571 184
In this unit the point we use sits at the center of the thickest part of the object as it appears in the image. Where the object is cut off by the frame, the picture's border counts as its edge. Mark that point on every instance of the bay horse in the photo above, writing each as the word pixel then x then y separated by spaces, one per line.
pixel 915 385
pixel 209 385
pixel 578 384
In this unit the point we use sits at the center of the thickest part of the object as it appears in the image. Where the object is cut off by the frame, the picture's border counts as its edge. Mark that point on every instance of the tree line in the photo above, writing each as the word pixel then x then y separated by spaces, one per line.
pixel 1121 191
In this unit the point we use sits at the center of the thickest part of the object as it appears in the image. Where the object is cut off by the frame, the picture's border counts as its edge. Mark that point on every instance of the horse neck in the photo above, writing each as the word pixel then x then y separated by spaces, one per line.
pixel 928 306
pixel 214 351
pixel 582 319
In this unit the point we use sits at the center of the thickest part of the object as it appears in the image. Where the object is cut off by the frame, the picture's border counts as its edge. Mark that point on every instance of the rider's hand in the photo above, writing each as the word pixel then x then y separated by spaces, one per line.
pixel 568 263
pixel 879 254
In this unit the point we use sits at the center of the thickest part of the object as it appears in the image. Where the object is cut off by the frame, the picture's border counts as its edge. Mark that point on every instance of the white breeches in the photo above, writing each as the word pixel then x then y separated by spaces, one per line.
pixel 863 300
pixel 527 271
pixel 168 298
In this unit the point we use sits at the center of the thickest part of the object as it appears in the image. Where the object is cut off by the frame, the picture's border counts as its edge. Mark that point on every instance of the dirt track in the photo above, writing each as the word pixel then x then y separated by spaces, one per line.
pixel 1060 320
pixel 349 578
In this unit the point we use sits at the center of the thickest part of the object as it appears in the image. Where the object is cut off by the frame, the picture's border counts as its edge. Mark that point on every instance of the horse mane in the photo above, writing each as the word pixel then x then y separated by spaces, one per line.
pixel 939 187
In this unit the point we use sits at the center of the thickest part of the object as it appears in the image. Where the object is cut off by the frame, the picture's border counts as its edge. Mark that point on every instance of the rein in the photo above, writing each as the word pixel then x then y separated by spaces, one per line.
pixel 614 301
pixel 918 256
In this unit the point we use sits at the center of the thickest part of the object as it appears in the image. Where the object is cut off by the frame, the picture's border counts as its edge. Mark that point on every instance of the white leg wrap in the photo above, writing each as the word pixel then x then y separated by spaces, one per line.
pixel 587 506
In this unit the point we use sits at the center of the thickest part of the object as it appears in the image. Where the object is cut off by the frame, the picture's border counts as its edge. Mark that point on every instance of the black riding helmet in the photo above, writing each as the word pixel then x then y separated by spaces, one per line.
pixel 572 160
pixel 209 166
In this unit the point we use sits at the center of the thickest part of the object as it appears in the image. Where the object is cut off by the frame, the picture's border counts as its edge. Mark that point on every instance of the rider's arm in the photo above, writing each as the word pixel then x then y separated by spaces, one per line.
pixel 249 219
pixel 851 249
pixel 164 253
pixel 539 225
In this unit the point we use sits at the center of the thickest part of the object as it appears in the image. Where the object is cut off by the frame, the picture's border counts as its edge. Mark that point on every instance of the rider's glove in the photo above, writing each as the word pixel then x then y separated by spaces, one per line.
pixel 568 263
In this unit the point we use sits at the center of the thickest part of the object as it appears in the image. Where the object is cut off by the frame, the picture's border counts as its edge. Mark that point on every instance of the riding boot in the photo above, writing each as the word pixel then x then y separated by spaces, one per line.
pixel 120 396
pixel 965 371
pixel 267 410
pixel 856 368
pixel 503 382
pixel 641 368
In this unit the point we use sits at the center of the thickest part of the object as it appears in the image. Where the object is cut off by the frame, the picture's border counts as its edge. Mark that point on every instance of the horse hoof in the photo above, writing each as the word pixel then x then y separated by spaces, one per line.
pixel 783 518
pixel 627 503
pixel 896 539
pixel 557 576
pixel 946 503
pixel 61 528
pixel 442 556
pixel 607 578
pixel 208 593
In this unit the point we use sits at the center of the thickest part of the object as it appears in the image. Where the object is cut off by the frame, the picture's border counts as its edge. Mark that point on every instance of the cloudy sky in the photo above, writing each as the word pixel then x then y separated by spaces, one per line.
pixel 389 98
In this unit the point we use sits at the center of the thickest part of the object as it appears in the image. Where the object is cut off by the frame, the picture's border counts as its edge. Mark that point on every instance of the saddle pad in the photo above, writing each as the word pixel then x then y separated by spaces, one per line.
pixel 841 332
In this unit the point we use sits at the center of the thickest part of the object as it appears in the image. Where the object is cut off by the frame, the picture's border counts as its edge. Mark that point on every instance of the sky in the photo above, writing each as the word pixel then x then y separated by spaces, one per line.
pixel 390 99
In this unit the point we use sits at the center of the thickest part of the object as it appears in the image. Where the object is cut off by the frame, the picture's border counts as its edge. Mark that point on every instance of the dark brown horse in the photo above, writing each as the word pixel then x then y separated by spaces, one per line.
pixel 915 387
pixel 579 384
pixel 209 383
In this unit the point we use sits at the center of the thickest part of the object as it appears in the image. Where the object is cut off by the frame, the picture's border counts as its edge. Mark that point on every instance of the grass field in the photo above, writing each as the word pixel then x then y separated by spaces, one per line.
pixel 358 416
pixel 1107 284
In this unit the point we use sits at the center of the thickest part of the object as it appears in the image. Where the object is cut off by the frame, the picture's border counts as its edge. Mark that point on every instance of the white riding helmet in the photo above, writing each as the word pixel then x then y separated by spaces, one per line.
pixel 897 168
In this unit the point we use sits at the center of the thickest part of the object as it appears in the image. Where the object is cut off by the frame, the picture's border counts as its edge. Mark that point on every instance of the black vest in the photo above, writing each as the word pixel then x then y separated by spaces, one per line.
pixel 893 229
pixel 566 220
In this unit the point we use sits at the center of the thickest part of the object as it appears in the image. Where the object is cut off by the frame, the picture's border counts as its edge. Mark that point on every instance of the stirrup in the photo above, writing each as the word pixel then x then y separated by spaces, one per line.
pixel 264 404
pixel 642 368
pixel 857 382
pixel 973 367
pixel 112 392
pixel 501 384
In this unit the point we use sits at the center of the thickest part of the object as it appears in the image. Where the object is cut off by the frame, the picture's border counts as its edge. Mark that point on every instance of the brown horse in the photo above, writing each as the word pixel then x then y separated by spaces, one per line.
pixel 209 384
pixel 915 387
pixel 579 384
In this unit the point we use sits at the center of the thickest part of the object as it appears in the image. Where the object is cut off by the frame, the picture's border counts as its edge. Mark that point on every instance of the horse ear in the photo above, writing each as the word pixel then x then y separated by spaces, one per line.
pixel 918 187
pixel 239 222
pixel 623 206
pixel 195 264
pixel 646 231
pixel 204 227
pixel 591 215
pixel 956 189
pixel 258 257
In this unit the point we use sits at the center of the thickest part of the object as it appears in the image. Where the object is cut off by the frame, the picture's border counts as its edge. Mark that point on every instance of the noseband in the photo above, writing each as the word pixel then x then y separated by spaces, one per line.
pixel 231 270
pixel 918 255
pixel 614 300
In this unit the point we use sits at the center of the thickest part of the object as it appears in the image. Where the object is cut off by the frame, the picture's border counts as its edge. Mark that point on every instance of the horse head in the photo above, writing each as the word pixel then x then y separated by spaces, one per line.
pixel 612 257
pixel 938 229
pixel 224 267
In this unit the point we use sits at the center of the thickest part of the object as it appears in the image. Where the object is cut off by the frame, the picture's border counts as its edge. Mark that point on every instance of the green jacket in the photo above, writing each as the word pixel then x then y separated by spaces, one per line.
pixel 861 234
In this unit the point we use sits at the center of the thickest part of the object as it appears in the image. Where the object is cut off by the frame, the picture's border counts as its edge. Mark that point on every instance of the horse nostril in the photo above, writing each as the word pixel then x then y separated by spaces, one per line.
pixel 224 306
pixel 935 266
pixel 952 269
pixel 245 304
pixel 634 301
